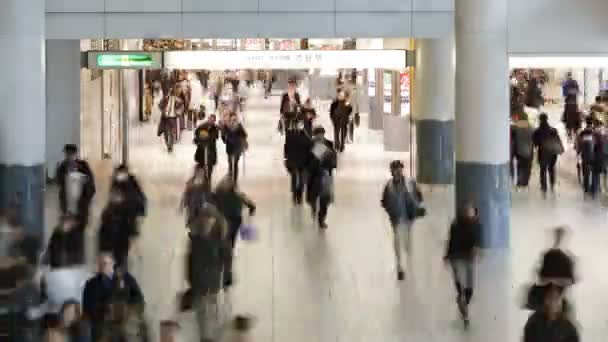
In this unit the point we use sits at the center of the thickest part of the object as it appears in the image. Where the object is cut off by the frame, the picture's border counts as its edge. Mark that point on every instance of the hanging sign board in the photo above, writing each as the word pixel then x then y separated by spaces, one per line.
pixel 124 60
pixel 297 59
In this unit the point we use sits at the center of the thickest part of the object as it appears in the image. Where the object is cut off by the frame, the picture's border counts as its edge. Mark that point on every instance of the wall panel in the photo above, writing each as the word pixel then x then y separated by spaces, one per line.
pixel 374 25
pixel 74 6
pixel 143 5
pixel 220 25
pixel 140 25
pixel 220 6
pixel 373 5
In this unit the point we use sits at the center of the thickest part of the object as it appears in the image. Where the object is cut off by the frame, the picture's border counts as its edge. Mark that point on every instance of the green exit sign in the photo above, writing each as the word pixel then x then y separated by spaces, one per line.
pixel 124 60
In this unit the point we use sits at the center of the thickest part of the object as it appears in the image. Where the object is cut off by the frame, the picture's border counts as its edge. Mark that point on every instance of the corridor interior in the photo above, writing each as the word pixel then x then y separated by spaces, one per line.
pixel 301 284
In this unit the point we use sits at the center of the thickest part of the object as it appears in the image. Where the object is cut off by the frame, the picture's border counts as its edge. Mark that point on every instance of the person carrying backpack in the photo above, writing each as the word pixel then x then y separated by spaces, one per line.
pixel 549 146
pixel 589 149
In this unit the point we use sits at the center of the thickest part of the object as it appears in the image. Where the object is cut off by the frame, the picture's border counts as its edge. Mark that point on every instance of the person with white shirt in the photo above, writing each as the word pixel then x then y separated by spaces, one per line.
pixel 76 185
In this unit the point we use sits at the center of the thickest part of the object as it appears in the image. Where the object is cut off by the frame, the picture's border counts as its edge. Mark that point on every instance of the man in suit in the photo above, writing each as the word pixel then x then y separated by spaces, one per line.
pixel 321 162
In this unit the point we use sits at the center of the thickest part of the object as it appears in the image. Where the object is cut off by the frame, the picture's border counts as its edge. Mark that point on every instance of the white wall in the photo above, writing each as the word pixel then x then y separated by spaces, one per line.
pixel 535 26
pixel 247 18
pixel 558 26
pixel 62 99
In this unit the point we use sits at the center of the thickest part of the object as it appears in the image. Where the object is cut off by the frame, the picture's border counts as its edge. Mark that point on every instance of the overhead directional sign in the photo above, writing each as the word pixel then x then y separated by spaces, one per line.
pixel 124 60
pixel 296 59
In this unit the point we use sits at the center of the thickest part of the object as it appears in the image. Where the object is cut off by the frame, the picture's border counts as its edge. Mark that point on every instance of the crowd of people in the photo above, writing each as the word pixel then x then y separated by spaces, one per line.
pixel 112 306
pixel 586 131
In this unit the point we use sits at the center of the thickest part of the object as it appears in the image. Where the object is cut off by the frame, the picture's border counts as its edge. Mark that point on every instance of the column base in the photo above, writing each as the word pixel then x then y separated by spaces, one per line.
pixel 28 182
pixel 435 152
pixel 488 187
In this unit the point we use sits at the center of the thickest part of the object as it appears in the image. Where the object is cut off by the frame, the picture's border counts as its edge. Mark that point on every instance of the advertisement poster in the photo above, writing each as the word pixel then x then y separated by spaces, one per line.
pixel 388 92
pixel 404 85
pixel 371 82
pixel 254 44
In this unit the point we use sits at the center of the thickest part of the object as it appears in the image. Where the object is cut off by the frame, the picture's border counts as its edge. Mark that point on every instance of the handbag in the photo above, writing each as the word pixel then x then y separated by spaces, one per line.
pixel 534 297
pixel 186 300
pixel 248 232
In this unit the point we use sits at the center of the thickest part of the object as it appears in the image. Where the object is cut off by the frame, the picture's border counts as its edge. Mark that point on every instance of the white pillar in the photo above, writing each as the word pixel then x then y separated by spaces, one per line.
pixel 22 99
pixel 62 99
pixel 433 110
pixel 482 115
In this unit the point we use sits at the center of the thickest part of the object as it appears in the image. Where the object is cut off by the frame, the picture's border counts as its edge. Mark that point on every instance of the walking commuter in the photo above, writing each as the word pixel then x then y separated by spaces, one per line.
pixel 557 266
pixel 570 89
pixel 462 249
pixel 296 154
pixel 230 203
pixel 15 243
pixel 205 139
pixel 551 323
pixel 340 112
pixel 354 119
pixel 309 115
pixel 18 292
pixel 534 92
pixel 290 105
pixel 118 228
pixel 207 260
pixel 572 118
pixel 401 199
pixel 66 245
pixel 320 188
pixel 219 90
pixel 522 133
pixel 235 138
pixel 102 288
pixel 135 198
pixel 197 194
pixel 549 146
pixel 589 148
pixel 172 108
pixel 76 185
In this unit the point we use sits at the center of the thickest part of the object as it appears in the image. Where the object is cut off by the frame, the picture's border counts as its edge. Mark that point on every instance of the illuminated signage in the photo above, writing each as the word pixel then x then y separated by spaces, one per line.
pixel 298 59
pixel 124 60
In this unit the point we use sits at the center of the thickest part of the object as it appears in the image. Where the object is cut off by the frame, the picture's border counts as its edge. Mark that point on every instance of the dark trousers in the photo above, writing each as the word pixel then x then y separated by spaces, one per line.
pixel 320 209
pixel 170 132
pixel 233 166
pixel 547 165
pixel 591 177
pixel 234 225
pixel 351 131
pixel 524 168
pixel 297 183
pixel 340 132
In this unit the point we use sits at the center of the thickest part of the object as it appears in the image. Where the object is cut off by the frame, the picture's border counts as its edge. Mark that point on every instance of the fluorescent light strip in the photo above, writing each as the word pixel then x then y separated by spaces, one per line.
pixel 299 59
pixel 558 62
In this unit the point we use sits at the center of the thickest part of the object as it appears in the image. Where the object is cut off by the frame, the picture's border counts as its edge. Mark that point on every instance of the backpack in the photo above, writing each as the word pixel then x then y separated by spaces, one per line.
pixel 587 147
pixel 552 145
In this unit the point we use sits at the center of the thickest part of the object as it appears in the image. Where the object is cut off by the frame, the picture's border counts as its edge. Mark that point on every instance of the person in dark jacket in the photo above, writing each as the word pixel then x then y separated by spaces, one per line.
pixel 309 114
pixel 523 150
pixel 118 228
pixel 534 92
pixel 109 283
pixel 572 118
pixel 230 202
pixel 322 161
pixel 548 146
pixel 76 185
pixel 197 193
pixel 400 199
pixel 290 104
pixel 462 249
pixel 66 245
pixel 551 323
pixel 295 151
pixel 126 183
pixel 589 148
pixel 340 112
pixel 570 89
pixel 207 260
pixel 557 265
pixel 235 138
pixel 205 139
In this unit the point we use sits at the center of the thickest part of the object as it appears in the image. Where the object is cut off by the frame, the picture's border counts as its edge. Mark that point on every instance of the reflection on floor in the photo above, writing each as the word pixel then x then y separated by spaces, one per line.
pixel 303 285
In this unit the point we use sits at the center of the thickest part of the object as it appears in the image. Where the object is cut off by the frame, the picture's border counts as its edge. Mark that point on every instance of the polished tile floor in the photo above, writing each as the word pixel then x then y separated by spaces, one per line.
pixel 303 285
